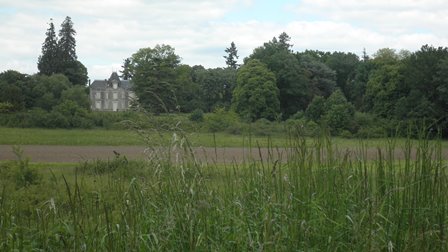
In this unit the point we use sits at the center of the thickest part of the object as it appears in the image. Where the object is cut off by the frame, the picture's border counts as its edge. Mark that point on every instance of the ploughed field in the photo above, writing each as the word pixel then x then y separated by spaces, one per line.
pixel 71 154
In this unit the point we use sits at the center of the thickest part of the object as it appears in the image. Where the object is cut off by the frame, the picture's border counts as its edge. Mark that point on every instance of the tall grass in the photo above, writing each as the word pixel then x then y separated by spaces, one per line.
pixel 312 197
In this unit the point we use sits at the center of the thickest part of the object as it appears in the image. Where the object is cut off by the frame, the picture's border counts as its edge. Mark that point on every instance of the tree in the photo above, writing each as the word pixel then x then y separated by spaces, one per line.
pixel 188 93
pixel 232 56
pixel 48 90
pixel 345 65
pixel 59 56
pixel 77 94
pixel 339 113
pixel 76 72
pixel 383 80
pixel 16 90
pixel 126 69
pixel 256 94
pixel 154 74
pixel 291 78
pixel 67 42
pixel 356 87
pixel 48 63
pixel 217 85
pixel 322 78
pixel 381 90
pixel 316 109
pixel 283 40
pixel 425 82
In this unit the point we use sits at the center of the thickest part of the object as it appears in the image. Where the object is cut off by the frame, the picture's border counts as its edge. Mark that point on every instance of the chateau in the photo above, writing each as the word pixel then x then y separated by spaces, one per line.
pixel 112 94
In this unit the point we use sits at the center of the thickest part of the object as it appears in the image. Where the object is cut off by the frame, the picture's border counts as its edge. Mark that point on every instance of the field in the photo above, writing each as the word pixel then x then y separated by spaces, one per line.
pixel 101 137
pixel 313 197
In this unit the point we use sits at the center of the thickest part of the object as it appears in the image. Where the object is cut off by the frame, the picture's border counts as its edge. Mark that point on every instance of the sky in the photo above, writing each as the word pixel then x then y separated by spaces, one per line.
pixel 108 31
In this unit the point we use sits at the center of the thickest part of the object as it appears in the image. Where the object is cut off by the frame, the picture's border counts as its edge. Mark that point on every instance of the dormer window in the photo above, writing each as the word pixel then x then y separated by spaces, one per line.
pixel 115 85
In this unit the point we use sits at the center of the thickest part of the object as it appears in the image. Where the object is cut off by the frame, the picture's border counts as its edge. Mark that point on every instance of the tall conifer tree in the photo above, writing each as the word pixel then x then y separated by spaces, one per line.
pixel 67 42
pixel 48 62
pixel 231 58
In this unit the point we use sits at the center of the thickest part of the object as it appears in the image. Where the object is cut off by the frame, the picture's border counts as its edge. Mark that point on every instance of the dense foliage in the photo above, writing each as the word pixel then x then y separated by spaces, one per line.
pixel 59 54
pixel 256 94
pixel 392 88
pixel 154 75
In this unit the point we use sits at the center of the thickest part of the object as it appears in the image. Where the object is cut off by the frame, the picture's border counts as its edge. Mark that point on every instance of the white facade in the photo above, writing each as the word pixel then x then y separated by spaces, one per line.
pixel 111 95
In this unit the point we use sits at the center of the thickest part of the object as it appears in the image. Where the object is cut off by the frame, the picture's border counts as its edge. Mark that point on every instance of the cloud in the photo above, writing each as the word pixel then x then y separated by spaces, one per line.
pixel 397 16
pixel 108 31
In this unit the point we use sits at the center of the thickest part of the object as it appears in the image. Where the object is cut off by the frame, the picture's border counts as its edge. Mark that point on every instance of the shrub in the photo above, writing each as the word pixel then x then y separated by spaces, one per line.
pixel 298 115
pixel 220 120
pixel 197 115
pixel 6 107
pixel 24 176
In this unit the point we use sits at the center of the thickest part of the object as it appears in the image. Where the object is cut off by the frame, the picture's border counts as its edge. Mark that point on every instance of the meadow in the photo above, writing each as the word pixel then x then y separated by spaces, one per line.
pixel 315 201
pixel 109 137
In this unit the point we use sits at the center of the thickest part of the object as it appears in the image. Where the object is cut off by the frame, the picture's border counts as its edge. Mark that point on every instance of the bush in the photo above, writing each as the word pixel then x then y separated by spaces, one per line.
pixel 298 115
pixel 308 128
pixel 346 134
pixel 197 115
pixel 264 127
pixel 24 176
pixel 220 120
pixel 6 107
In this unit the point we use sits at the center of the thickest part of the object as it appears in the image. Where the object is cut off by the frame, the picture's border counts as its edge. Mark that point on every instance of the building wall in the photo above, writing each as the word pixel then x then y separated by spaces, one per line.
pixel 110 99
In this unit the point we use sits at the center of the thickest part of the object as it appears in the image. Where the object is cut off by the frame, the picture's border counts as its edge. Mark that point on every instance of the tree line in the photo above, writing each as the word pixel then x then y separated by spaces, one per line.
pixel 276 83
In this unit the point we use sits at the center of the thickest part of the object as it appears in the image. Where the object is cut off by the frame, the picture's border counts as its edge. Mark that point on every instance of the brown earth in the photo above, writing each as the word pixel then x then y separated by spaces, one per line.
pixel 74 154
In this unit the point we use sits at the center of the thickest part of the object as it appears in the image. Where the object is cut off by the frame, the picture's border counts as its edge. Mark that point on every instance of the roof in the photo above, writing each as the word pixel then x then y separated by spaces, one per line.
pixel 103 84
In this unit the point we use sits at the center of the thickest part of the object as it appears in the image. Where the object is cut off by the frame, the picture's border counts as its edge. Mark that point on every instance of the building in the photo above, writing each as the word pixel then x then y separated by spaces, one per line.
pixel 112 94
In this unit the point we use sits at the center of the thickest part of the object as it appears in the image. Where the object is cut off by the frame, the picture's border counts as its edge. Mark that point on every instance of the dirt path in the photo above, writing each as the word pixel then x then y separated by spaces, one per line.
pixel 73 154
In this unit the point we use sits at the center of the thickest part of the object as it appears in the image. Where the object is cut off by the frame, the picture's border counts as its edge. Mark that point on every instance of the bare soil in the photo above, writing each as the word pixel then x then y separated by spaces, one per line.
pixel 74 154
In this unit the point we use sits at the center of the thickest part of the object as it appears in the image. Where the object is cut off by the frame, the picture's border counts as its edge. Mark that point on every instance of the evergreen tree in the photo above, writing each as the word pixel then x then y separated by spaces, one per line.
pixel 75 71
pixel 231 58
pixel 48 62
pixel 67 42
pixel 283 40
pixel 126 72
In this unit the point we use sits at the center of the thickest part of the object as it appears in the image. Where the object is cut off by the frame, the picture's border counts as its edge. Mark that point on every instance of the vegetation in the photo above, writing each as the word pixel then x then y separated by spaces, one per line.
pixel 256 95
pixel 367 97
pixel 232 57
pixel 153 71
pixel 302 201
pixel 59 54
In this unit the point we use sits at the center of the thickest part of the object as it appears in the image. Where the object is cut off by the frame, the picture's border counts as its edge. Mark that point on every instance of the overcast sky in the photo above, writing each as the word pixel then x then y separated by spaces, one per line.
pixel 108 31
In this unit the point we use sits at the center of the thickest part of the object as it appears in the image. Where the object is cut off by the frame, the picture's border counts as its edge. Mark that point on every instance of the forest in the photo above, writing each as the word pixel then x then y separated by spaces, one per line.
pixel 352 95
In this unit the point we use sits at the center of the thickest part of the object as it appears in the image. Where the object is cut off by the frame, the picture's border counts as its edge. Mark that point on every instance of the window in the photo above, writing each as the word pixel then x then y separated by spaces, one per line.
pixel 97 95
pixel 98 104
pixel 115 95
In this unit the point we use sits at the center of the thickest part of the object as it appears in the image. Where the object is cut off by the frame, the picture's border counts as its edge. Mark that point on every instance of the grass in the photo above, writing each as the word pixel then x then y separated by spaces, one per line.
pixel 83 137
pixel 316 201
pixel 101 137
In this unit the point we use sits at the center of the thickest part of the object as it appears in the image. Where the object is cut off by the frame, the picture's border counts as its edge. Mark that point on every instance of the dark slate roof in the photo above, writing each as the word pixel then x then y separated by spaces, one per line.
pixel 103 84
